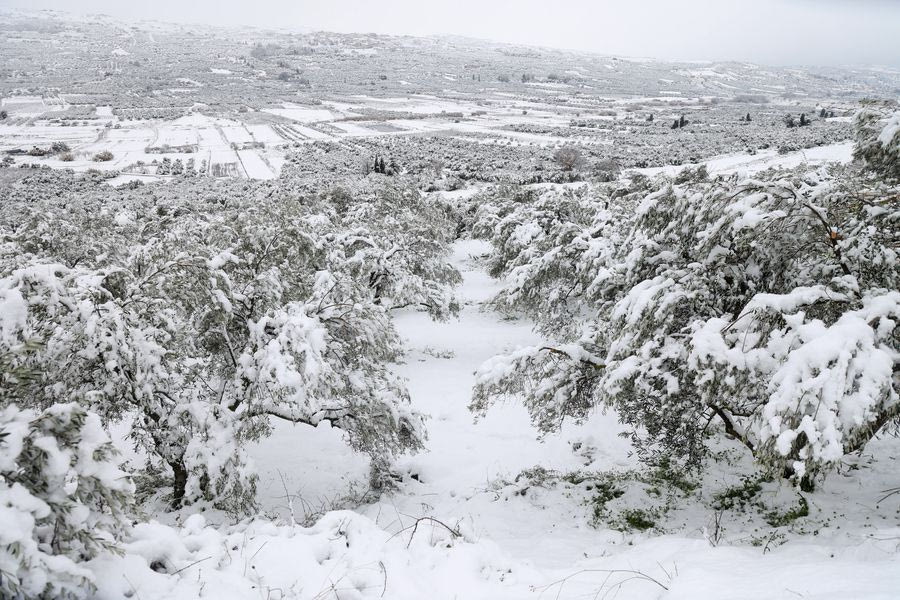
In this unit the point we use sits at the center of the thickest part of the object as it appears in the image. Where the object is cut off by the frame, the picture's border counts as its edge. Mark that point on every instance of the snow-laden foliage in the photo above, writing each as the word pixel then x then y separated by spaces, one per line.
pixel 546 247
pixel 199 320
pixel 769 306
pixel 63 499
pixel 401 241
pixel 878 138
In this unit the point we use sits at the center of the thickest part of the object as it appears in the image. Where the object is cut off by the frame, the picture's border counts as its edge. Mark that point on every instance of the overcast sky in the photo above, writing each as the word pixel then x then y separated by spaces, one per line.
pixel 784 32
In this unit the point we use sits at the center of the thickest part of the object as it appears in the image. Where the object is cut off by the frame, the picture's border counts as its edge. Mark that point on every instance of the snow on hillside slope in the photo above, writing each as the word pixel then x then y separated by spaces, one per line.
pixel 748 164
pixel 451 532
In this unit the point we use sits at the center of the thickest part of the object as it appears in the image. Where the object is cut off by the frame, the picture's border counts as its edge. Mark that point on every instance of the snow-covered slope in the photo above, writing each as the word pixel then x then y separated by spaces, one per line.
pixel 533 544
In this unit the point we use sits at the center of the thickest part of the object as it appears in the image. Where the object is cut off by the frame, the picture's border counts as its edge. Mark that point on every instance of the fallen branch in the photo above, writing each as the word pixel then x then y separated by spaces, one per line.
pixel 634 575
pixel 415 526
pixel 191 565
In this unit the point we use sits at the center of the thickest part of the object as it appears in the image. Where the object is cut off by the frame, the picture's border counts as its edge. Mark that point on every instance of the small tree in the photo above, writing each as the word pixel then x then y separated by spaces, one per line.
pixel 568 158
pixel 606 170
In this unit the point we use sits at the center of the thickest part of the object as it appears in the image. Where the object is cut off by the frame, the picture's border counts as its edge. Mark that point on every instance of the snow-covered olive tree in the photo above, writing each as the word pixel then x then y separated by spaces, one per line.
pixel 765 308
pixel 200 320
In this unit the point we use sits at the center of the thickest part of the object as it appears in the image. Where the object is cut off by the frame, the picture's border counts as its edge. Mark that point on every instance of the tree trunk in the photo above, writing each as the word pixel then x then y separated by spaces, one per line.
pixel 179 482
pixel 807 482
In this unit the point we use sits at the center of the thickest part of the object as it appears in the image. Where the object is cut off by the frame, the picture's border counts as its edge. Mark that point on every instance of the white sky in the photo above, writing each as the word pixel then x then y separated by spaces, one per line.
pixel 815 32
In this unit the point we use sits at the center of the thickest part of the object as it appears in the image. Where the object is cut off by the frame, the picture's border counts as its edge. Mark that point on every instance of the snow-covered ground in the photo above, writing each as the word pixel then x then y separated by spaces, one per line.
pixel 457 528
pixel 748 164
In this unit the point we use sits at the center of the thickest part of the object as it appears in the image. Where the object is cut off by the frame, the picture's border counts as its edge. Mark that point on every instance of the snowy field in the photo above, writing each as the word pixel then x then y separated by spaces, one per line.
pixel 254 144
pixel 137 146
pixel 252 150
